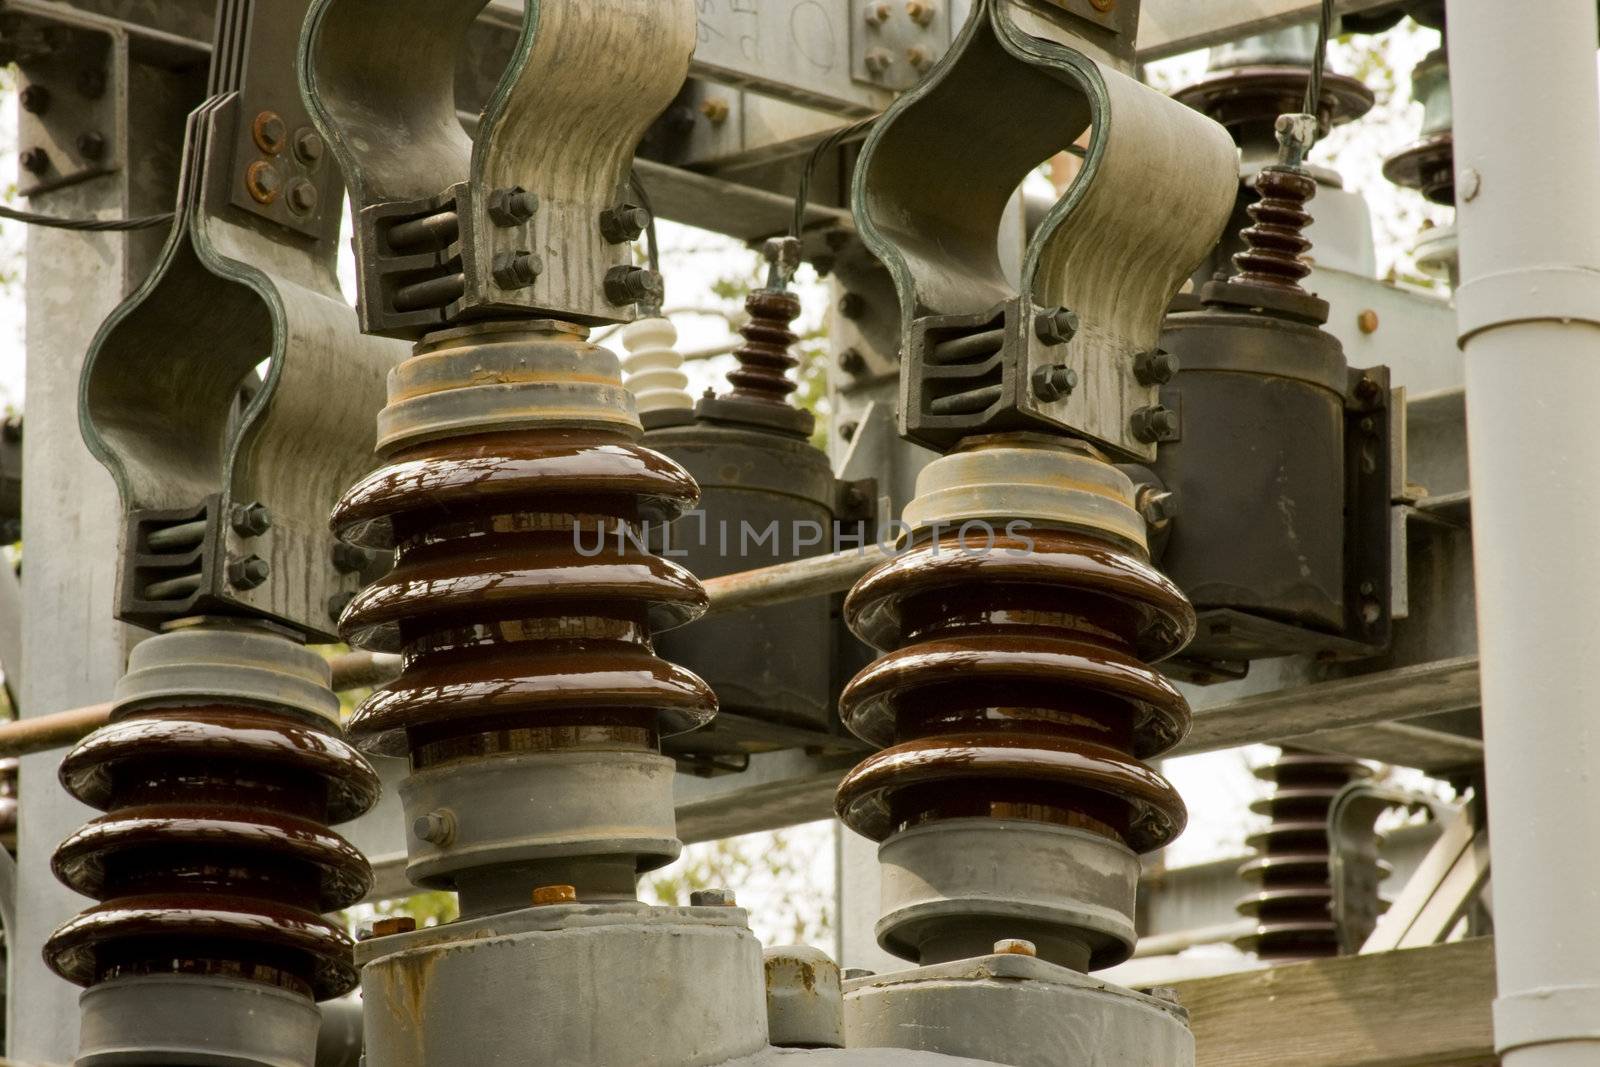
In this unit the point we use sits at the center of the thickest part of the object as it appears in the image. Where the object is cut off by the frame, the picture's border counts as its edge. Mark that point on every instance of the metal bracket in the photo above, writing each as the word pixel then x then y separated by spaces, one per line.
pixel 227 482
pixel 1354 869
pixel 510 222
pixel 1100 269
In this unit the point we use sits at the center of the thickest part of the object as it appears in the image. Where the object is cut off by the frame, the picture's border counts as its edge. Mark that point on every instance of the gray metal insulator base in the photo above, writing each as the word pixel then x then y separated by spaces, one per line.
pixel 193 1021
pixel 608 985
pixel 1016 1010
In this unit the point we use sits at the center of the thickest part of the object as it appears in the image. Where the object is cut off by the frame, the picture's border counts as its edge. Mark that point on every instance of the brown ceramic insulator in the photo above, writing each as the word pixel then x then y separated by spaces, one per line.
pixel 1018 685
pixel 8 804
pixel 1291 897
pixel 1428 166
pixel 1254 97
pixel 522 597
pixel 1276 244
pixel 214 856
pixel 765 358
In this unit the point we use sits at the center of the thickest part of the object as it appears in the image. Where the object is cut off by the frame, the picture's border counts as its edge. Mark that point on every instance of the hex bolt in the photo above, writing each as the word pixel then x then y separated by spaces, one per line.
pixel 921 11
pixel 35 99
pixel 263 181
pixel 250 520
pixel 712 898
pixel 715 109
pixel 348 559
pixel 91 145
pixel 1367 321
pixel 34 160
pixel 308 146
pixel 269 132
pixel 918 57
pixel 632 285
pixel 878 61
pixel 1368 391
pixel 624 222
pixel 249 572
pixel 546 895
pixel 92 83
pixel 1155 368
pixel 1054 382
pixel 436 827
pixel 1015 946
pixel 517 270
pixel 1056 326
pixel 852 305
pixel 395 924
pixel 513 206
pixel 1154 423
pixel 851 361
pixel 1157 506
pixel 303 197
pixel 876 14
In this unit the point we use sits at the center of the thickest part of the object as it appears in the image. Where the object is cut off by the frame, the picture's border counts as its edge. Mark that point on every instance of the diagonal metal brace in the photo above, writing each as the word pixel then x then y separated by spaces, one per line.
pixel 231 396
pixel 530 217
pixel 1056 348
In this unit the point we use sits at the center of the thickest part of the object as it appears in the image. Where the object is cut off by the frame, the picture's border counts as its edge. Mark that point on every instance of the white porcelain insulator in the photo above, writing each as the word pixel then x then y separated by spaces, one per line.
pixel 653 368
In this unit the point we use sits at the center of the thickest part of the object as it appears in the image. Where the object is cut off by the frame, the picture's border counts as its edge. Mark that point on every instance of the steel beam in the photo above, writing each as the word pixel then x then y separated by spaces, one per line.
pixel 1172 27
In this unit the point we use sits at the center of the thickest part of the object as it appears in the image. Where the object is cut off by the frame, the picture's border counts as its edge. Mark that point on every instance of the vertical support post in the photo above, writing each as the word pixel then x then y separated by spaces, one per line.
pixel 73 650
pixel 1527 128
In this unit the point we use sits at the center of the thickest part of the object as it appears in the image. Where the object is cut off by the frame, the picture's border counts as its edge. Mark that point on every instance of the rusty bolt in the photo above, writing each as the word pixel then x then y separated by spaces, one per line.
pixel 513 206
pixel 250 520
pixel 34 160
pixel 308 146
pixel 851 361
pixel 35 99
pixel 1154 423
pixel 1057 326
pixel 1103 5
pixel 249 572
pixel 263 181
pixel 624 222
pixel 554 894
pixel 716 109
pixel 1055 382
pixel 878 60
pixel 395 924
pixel 1368 321
pixel 517 270
pixel 269 132
pixel 1015 946
pixel 303 197
pixel 438 828
pixel 921 11
pixel 1155 368
pixel 712 898
pixel 876 14
pixel 91 145
pixel 918 57
pixel 633 285
pixel 92 83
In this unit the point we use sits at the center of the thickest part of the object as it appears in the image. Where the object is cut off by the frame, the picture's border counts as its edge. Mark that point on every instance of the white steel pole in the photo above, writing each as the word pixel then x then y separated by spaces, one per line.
pixel 1527 143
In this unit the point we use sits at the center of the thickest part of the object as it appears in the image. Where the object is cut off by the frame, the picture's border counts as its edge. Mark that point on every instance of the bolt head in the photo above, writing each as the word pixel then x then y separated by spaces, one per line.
pixel 1054 382
pixel 1157 506
pixel 1015 946
pixel 34 160
pixel 546 895
pixel 847 430
pixel 1155 423
pixel 876 14
pixel 348 559
pixel 851 361
pixel 308 146
pixel 920 11
pixel 513 206
pixel 263 181
pixel 270 132
pixel 517 270
pixel 337 602
pixel 852 305
pixel 250 520
pixel 624 222
pixel 1155 368
pixel 633 285
pixel 436 827
pixel 303 196
pixel 712 898
pixel 91 145
pixel 1056 326
pixel 878 60
pixel 35 99
pixel 395 924
pixel 918 57
pixel 1367 321
pixel 715 109
pixel 248 573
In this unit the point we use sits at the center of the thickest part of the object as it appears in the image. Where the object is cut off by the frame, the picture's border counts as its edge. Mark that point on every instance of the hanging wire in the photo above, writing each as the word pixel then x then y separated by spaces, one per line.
pixel 1319 60
pixel 56 222
pixel 652 245
pixel 823 147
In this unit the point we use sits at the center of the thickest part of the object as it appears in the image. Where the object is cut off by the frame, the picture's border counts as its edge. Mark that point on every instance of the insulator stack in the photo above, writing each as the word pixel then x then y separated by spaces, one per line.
pixel 220 774
pixel 523 602
pixel 1015 708
pixel 653 366
pixel 1291 898
pixel 1276 242
pixel 8 805
pixel 765 357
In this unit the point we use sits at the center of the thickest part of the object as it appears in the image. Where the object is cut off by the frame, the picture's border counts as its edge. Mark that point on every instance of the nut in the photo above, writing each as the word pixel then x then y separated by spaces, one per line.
pixel 851 361
pixel 269 132
pixel 250 520
pixel 263 181
pixel 35 99
pixel 712 898
pixel 303 197
pixel 249 572
pixel 852 305
pixel 436 827
pixel 395 924
pixel 1154 423
pixel 625 222
pixel 34 160
pixel 1015 946
pixel 633 285
pixel 513 206
pixel 918 57
pixel 1157 506
pixel 878 60
pixel 308 146
pixel 1056 326
pixel 517 270
pixel 921 11
pixel 348 559
pixel 876 14
pixel 91 145
pixel 1155 368
pixel 546 895
pixel 1054 382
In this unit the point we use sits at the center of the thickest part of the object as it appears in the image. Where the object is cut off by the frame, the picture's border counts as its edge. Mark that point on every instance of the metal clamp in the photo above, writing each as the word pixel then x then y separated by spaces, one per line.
pixel 530 216
pixel 230 433
pixel 1099 271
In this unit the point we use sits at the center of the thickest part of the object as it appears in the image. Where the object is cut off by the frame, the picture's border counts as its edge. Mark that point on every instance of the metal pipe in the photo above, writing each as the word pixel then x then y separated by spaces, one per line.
pixel 783 582
pixel 41 733
pixel 1527 129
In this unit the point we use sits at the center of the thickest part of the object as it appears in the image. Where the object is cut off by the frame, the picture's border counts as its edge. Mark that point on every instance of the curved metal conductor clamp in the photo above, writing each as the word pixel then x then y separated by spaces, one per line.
pixel 231 397
pixel 529 217
pixel 1059 350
